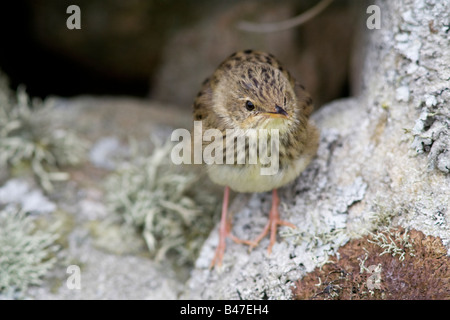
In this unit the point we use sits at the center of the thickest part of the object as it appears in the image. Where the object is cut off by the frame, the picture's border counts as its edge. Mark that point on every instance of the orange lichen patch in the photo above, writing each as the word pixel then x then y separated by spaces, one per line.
pixel 389 264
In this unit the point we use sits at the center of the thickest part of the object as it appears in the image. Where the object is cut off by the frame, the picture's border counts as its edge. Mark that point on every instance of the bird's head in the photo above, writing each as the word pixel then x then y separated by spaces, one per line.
pixel 256 95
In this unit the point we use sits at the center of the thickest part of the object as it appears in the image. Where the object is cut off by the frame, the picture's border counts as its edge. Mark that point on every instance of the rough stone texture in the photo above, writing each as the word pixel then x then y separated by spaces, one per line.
pixel 416 49
pixel 367 169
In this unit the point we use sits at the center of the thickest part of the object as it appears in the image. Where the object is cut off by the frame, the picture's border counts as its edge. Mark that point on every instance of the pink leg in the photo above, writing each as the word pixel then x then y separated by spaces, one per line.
pixel 274 221
pixel 224 230
pixel 225 227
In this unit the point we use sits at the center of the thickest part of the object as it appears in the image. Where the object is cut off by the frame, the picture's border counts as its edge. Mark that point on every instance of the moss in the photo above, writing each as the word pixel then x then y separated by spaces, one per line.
pixel 26 253
pixel 390 264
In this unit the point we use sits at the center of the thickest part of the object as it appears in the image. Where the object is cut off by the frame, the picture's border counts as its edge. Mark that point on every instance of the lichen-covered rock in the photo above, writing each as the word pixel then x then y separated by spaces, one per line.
pixel 416 51
pixel 112 257
pixel 365 175
pixel 31 139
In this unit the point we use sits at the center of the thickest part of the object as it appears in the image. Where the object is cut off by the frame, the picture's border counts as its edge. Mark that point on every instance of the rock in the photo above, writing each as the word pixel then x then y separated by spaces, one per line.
pixel 106 276
pixel 103 152
pixel 363 176
pixel 16 191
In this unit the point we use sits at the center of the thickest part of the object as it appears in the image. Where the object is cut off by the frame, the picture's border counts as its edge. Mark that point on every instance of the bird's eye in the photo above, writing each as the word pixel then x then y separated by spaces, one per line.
pixel 249 105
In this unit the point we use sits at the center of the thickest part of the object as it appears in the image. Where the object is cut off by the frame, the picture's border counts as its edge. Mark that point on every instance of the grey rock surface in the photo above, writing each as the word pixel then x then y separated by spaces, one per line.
pixel 20 192
pixel 105 276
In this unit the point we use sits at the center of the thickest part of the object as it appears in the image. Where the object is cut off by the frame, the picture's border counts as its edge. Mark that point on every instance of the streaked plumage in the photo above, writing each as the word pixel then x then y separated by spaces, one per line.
pixel 252 90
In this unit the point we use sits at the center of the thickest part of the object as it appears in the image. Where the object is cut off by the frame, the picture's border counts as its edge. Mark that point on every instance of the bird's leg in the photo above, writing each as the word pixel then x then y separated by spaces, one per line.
pixel 225 227
pixel 224 230
pixel 274 221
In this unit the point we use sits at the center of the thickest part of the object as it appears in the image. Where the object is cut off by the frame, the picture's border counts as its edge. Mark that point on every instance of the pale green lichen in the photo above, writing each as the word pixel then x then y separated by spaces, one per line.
pixel 30 138
pixel 26 253
pixel 163 201
pixel 393 242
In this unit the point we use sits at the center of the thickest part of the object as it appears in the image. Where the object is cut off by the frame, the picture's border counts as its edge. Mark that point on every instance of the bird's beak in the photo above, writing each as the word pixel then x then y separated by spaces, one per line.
pixel 278 113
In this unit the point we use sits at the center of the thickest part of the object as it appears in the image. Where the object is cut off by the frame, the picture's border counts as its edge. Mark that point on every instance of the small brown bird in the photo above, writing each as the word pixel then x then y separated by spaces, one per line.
pixel 251 90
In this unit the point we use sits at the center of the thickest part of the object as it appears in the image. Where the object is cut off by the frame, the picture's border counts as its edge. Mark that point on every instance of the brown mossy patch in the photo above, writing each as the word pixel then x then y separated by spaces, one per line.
pixel 391 264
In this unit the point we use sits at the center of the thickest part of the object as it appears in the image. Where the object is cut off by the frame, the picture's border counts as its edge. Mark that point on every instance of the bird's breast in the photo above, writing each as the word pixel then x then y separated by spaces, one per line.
pixel 250 177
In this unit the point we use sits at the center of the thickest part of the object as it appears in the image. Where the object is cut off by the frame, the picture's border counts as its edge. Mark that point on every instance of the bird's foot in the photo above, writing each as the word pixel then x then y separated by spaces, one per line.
pixel 272 224
pixel 225 227
pixel 220 250
pixel 242 241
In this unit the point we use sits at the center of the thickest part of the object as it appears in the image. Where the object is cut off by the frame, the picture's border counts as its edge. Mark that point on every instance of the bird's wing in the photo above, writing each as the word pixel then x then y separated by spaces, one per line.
pixel 203 102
